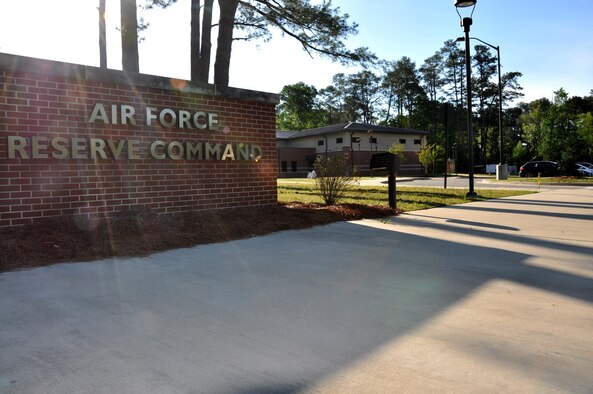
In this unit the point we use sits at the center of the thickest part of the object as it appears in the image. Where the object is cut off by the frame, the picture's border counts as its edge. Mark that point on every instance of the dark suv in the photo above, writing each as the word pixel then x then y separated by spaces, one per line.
pixel 535 168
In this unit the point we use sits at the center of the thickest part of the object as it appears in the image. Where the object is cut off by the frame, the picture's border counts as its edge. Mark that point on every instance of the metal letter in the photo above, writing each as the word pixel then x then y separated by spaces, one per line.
pixel 97 145
pixel 17 144
pixel 127 113
pixel 193 150
pixel 38 143
pixel 242 151
pixel 256 153
pixel 197 120
pixel 212 121
pixel 184 119
pixel 99 113
pixel 154 153
pixel 116 149
pixel 76 145
pixel 149 115
pixel 228 152
pixel 171 151
pixel 113 114
pixel 162 119
pixel 61 146
pixel 212 150
pixel 133 149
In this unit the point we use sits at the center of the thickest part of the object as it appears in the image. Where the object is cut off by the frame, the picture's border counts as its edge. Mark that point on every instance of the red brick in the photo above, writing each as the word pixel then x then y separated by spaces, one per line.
pixel 60 106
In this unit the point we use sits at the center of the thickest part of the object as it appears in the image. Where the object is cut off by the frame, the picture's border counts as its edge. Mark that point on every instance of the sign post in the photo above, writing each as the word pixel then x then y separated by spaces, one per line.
pixel 389 162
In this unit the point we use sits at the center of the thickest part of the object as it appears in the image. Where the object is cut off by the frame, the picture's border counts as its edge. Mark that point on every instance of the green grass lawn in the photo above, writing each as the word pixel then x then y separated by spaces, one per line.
pixel 550 180
pixel 408 198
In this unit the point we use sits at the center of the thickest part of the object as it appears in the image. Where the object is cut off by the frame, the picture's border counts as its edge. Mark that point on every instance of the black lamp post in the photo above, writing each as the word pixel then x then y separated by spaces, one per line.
pixel 499 93
pixel 466 22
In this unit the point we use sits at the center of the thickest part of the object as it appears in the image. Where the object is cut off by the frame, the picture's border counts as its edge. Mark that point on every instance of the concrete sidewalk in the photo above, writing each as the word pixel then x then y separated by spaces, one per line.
pixel 483 297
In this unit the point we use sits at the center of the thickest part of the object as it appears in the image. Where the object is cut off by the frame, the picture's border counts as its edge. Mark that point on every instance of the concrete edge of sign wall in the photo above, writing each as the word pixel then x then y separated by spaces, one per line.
pixel 78 71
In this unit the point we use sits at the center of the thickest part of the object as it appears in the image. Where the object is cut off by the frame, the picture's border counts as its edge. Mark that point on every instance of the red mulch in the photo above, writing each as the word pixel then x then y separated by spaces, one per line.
pixel 138 233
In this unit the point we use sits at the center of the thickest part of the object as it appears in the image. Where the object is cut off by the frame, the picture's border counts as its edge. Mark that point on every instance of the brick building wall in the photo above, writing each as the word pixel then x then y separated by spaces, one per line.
pixel 79 140
pixel 295 156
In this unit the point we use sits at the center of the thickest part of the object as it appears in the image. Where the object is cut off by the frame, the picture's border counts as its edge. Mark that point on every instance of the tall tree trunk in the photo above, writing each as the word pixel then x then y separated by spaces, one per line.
pixel 389 103
pixel 129 36
pixel 195 40
pixel 225 41
pixel 206 47
pixel 102 36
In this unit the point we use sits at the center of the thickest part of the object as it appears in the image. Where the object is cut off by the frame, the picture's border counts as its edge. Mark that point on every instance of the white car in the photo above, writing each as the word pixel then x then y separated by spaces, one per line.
pixel 584 170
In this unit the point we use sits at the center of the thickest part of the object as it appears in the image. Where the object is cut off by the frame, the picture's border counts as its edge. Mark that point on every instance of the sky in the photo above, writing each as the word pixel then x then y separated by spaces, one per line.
pixel 551 43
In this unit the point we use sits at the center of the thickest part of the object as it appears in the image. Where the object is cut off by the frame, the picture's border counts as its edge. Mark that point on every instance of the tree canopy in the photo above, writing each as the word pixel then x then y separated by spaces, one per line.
pixel 298 108
pixel 560 130
pixel 320 29
pixel 396 93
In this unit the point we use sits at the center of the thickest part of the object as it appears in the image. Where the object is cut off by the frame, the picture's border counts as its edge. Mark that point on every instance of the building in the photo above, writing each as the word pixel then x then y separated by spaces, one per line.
pixel 297 150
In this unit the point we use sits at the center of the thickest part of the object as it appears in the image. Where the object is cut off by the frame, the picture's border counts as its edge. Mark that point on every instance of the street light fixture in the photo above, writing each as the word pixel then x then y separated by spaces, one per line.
pixel 466 22
pixel 463 4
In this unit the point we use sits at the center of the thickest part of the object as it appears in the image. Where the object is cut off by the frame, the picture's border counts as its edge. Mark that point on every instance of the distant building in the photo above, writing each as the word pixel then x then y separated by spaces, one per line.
pixel 297 150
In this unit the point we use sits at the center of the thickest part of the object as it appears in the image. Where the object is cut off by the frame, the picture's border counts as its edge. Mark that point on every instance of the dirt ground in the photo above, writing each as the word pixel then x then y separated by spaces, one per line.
pixel 138 233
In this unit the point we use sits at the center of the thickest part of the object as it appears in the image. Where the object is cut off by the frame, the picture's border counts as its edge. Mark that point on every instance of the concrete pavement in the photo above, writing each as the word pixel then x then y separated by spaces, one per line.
pixel 490 296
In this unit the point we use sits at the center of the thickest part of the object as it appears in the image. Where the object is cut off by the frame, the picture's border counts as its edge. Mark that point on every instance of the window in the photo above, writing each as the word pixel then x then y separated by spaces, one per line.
pixel 284 166
pixel 293 166
pixel 356 140
pixel 417 142
pixel 373 140
pixel 402 141
pixel 339 140
pixel 320 143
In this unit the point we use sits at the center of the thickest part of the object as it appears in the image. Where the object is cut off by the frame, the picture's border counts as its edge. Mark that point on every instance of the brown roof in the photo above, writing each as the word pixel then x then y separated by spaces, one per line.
pixel 351 126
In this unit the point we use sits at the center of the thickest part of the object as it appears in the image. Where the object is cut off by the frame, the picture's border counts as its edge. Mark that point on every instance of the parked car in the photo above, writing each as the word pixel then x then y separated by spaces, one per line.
pixel 583 170
pixel 541 168
pixel 584 163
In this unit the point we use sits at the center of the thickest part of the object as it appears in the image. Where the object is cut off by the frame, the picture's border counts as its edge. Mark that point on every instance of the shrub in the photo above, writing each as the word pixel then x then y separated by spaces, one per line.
pixel 398 149
pixel 334 177
pixel 430 156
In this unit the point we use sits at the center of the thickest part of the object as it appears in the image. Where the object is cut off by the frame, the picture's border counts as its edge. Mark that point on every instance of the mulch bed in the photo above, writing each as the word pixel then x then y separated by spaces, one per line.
pixel 139 233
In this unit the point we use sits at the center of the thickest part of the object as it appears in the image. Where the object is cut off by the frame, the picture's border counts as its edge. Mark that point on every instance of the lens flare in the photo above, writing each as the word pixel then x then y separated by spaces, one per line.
pixel 178 84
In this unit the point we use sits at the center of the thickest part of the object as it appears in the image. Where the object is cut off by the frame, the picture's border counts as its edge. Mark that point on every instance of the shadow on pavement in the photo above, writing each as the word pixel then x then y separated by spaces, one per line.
pixel 272 314
pixel 546 203
pixel 561 215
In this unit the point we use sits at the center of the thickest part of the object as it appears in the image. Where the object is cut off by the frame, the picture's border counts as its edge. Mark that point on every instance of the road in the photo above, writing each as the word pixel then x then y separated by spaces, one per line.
pixel 462 182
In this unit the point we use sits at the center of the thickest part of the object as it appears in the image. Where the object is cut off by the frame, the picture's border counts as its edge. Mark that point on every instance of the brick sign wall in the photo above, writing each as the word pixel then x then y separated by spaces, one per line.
pixel 77 140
